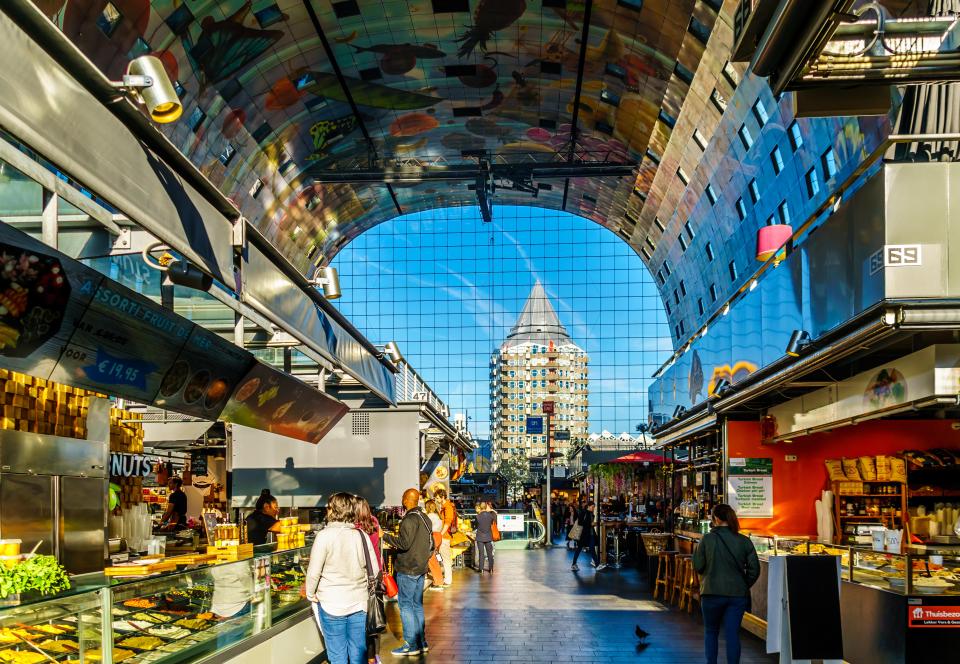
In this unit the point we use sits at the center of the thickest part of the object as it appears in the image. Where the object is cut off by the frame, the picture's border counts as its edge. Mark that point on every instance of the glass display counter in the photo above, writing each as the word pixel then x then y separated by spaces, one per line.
pixel 188 615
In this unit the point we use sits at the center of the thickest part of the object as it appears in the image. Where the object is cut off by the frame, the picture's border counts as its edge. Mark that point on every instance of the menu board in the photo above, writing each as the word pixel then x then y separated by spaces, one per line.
pixel 273 401
pixel 205 373
pixel 750 486
pixel 122 344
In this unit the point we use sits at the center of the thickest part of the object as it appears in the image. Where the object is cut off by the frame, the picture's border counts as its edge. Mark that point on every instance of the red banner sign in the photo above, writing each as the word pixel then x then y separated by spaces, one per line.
pixel 933 616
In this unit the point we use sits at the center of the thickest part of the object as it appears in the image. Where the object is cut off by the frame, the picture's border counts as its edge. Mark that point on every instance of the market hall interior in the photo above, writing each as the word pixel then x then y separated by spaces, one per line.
pixel 672 282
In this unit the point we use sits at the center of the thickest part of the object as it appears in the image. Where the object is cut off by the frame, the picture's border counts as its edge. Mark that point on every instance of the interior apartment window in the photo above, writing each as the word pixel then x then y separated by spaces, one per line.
pixel 682 241
pixel 653 156
pixel 741 209
pixel 700 305
pixel 646 254
pixel 683 289
pixel 667 119
pixel 709 250
pixel 711 194
pixel 829 160
pixel 682 331
pixel 683 73
pixel 682 174
pixel 745 136
pixel 667 303
pixel 771 220
pixel 813 182
pixel 660 277
pixel 776 158
pixel 700 139
pixel 699 30
pixel 650 243
pixel 783 210
pixel 730 73
pixel 687 227
pixel 676 331
pixel 754 191
pixel 760 112
pixel 796 138
pixel 659 224
pixel 733 270
pixel 676 296
pixel 666 268
pixel 713 292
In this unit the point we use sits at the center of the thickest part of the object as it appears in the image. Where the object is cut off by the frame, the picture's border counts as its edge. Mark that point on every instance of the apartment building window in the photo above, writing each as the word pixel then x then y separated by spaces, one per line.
pixel 646 254
pixel 700 305
pixel 687 227
pixel 741 209
pixel 754 191
pixel 650 244
pixel 713 292
pixel 683 73
pixel 660 277
pixel 666 268
pixel 718 100
pixel 733 270
pixel 682 330
pixel 682 241
pixel 783 210
pixel 730 73
pixel 711 194
pixel 760 112
pixel 700 139
pixel 796 138
pixel 676 296
pixel 699 30
pixel 667 303
pixel 829 160
pixel 659 224
pixel 683 289
pixel 682 174
pixel 776 158
pixel 813 182
pixel 709 250
pixel 745 136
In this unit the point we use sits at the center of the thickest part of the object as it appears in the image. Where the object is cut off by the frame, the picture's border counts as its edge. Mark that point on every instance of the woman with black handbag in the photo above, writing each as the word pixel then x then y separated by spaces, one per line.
pixel 368 523
pixel 728 566
pixel 342 580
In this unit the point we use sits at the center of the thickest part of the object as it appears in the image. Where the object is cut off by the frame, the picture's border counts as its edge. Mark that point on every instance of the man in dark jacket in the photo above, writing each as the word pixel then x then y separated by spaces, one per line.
pixel 414 546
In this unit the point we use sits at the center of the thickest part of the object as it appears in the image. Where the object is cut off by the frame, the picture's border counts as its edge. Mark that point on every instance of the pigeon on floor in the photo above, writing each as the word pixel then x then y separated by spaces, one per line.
pixel 641 633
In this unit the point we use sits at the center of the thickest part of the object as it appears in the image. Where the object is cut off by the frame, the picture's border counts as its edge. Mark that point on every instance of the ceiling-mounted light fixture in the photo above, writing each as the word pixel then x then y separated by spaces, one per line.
pixel 146 81
pixel 753 284
pixel 799 340
pixel 327 278
pixel 392 351
pixel 726 309
pixel 180 272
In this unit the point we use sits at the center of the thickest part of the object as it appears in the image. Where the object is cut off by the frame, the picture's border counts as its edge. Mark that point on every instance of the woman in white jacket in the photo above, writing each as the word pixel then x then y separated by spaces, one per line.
pixel 336 582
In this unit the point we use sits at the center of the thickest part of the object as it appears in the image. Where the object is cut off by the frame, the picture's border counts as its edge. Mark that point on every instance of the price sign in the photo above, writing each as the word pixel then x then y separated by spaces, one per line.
pixel 547 407
pixel 750 487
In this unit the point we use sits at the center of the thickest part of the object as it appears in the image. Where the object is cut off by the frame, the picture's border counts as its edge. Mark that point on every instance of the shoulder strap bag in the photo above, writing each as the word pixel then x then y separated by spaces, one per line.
pixel 741 566
pixel 426 524
pixel 376 611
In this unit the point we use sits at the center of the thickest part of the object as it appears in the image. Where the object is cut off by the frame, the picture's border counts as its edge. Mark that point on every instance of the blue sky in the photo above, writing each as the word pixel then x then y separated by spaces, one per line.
pixel 448 288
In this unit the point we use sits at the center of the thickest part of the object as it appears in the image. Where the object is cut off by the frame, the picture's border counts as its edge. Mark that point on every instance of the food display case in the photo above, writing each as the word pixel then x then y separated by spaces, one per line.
pixel 198 614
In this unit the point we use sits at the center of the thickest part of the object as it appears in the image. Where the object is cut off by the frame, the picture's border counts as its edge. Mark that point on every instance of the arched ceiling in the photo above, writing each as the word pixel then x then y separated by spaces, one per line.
pixel 279 93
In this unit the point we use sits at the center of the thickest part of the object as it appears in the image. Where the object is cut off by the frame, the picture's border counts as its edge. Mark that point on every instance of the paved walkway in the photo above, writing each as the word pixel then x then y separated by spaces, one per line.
pixel 534 609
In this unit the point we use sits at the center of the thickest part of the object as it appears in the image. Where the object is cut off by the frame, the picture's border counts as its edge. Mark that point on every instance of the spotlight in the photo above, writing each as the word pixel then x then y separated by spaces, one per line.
pixel 392 351
pixel 180 272
pixel 147 82
pixel 327 278
pixel 799 340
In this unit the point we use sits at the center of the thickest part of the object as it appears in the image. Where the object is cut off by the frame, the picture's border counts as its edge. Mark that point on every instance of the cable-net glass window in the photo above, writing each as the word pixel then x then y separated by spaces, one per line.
pixel 497 318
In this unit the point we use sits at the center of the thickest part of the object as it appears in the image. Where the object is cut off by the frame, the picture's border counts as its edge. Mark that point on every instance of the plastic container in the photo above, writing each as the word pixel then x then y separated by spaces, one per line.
pixel 10 547
pixel 10 561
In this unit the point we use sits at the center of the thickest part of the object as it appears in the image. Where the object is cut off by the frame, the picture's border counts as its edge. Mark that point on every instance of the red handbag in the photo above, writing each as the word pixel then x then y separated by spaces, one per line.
pixel 390 585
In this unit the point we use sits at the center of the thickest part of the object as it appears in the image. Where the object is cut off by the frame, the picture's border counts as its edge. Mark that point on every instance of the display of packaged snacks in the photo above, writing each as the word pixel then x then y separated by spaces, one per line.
pixel 850 469
pixel 868 470
pixel 835 470
pixel 898 469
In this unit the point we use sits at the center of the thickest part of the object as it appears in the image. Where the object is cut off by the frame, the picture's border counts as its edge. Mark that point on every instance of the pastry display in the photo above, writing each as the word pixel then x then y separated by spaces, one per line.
pixel 58 645
pixel 21 657
pixel 141 642
pixel 192 624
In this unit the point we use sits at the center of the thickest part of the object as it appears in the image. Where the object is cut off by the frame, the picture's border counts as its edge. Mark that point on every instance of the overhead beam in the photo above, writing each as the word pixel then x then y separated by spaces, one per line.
pixel 470 173
pixel 581 63
pixel 315 21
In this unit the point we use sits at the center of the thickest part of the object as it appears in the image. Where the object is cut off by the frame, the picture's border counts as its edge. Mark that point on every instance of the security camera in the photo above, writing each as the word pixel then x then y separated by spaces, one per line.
pixel 147 82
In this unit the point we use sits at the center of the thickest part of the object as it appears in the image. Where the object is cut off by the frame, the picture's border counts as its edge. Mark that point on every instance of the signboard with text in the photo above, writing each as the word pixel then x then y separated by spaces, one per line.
pixel 534 425
pixel 934 616
pixel 561 434
pixel 547 408
pixel 750 486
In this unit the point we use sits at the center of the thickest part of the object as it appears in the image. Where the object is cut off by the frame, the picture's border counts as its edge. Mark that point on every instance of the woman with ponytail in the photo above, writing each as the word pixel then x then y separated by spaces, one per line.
pixel 263 519
pixel 728 566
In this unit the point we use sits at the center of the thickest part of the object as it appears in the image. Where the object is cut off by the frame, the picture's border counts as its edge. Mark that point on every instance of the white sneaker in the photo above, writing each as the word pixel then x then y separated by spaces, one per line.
pixel 602 566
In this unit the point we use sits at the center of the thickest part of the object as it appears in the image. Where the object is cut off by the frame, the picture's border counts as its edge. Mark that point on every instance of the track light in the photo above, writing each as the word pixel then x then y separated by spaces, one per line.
pixel 147 82
pixel 799 340
pixel 392 351
pixel 329 280
pixel 180 272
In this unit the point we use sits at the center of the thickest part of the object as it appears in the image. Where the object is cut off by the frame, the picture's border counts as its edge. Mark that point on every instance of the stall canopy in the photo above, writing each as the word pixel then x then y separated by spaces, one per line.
pixel 640 456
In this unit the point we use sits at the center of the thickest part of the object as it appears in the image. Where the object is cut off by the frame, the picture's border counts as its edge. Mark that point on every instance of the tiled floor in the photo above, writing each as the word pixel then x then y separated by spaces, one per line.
pixel 534 609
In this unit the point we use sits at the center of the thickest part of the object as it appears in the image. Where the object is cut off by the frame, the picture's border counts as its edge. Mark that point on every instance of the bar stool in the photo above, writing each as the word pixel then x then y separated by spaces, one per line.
pixel 664 573
pixel 691 589
pixel 684 562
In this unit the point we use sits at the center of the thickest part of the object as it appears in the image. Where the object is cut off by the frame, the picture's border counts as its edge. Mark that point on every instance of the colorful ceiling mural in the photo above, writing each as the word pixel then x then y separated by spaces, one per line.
pixel 277 91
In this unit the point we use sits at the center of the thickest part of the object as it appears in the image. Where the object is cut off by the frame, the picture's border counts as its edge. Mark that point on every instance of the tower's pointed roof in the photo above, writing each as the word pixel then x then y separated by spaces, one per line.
pixel 538 321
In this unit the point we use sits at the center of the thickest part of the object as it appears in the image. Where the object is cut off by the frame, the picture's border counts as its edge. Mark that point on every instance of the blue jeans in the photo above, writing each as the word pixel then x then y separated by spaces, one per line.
pixel 726 611
pixel 344 637
pixel 410 600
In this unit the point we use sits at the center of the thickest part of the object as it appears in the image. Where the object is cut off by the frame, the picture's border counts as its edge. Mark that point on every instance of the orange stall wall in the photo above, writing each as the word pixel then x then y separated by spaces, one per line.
pixel 797 484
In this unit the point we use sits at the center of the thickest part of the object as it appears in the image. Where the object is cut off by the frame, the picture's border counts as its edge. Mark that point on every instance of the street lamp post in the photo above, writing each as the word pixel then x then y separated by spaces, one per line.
pixel 547 408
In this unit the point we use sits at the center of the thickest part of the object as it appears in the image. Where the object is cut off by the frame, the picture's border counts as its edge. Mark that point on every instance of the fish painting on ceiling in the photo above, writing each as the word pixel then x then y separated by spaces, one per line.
pixel 398 59
pixel 489 17
pixel 225 47
pixel 327 85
